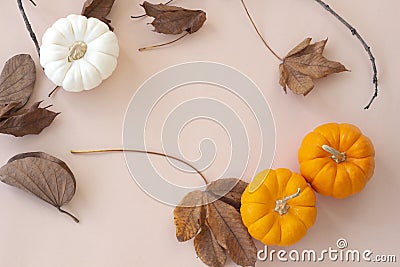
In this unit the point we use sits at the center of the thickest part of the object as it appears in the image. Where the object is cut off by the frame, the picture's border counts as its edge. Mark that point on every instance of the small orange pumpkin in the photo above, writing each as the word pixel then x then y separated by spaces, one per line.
pixel 280 209
pixel 337 159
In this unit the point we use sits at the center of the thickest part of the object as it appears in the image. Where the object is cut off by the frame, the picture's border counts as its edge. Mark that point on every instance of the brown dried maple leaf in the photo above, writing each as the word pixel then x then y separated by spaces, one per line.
pixel 304 63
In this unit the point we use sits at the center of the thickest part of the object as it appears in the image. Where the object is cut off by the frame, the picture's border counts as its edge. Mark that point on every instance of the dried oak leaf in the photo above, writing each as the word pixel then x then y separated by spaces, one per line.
pixel 173 19
pixel 27 121
pixel 304 63
pixel 208 249
pixel 42 175
pixel 17 80
pixel 213 219
pixel 98 9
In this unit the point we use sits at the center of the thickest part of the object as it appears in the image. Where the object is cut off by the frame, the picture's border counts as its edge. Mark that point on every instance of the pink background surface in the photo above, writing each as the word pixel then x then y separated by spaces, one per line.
pixel 122 226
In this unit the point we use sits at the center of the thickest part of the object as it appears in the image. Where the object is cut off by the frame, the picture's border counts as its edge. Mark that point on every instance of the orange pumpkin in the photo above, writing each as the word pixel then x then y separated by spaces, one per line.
pixel 337 159
pixel 280 209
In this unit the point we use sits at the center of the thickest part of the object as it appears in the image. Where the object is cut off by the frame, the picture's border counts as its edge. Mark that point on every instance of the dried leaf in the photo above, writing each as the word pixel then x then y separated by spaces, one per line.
pixel 7 110
pixel 98 9
pixel 44 156
pixel 174 20
pixel 304 63
pixel 216 210
pixel 189 216
pixel 29 121
pixel 44 176
pixel 208 249
pixel 229 190
pixel 17 81
pixel 227 226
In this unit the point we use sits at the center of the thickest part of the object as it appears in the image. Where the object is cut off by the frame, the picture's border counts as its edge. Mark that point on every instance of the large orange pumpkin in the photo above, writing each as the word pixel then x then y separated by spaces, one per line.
pixel 280 209
pixel 337 159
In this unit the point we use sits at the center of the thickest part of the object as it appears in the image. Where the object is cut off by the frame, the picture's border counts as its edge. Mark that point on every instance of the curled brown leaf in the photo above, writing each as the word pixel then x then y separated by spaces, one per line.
pixel 17 80
pixel 27 121
pixel 42 175
pixel 173 19
pixel 98 9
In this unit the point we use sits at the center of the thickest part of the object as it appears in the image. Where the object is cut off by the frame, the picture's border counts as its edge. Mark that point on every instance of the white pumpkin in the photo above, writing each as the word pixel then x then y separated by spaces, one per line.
pixel 78 53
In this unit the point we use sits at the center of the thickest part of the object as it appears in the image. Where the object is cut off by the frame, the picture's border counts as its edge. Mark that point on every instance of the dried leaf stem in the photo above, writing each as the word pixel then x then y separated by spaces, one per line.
pixel 258 32
pixel 164 44
pixel 144 15
pixel 143 152
pixel 69 214
pixel 28 25
pixel 364 44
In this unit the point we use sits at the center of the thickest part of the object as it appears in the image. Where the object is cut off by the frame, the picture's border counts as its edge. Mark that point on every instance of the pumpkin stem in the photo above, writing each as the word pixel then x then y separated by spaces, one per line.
pixel 281 204
pixel 336 155
pixel 77 51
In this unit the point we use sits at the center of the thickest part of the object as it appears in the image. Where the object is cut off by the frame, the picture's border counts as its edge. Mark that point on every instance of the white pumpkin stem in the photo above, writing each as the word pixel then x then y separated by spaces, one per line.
pixel 77 51
pixel 336 155
pixel 281 205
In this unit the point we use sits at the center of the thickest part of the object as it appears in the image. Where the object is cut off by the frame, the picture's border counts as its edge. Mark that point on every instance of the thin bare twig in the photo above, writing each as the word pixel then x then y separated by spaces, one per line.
pixel 258 32
pixel 164 44
pixel 364 44
pixel 28 25
pixel 144 152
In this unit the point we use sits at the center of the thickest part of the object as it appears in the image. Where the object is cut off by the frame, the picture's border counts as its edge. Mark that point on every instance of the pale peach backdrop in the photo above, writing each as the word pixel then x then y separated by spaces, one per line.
pixel 121 225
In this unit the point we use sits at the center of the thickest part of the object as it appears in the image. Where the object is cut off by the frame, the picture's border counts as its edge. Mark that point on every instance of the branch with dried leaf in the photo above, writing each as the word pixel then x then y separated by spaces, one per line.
pixel 305 62
pixel 302 64
pixel 211 217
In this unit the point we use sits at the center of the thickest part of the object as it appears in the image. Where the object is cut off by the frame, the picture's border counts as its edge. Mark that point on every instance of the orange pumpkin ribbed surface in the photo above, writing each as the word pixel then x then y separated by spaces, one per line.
pixel 281 208
pixel 337 159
